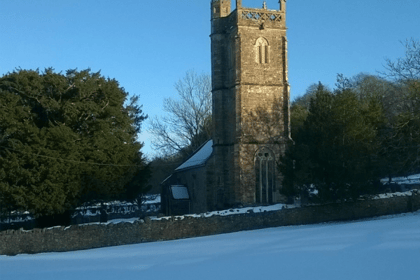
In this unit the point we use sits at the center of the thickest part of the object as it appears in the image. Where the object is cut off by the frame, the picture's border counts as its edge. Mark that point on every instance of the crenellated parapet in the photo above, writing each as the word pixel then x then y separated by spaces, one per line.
pixel 261 18
pixel 223 18
pixel 261 15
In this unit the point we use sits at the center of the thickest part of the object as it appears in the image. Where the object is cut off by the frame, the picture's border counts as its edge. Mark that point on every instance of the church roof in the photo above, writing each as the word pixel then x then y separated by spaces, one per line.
pixel 199 158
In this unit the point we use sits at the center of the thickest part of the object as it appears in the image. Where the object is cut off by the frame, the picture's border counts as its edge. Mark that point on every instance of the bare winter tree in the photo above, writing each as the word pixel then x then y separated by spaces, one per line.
pixel 407 67
pixel 403 141
pixel 188 121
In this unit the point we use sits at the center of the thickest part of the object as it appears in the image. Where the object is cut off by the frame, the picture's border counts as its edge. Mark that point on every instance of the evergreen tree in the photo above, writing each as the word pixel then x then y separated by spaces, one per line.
pixel 336 147
pixel 66 139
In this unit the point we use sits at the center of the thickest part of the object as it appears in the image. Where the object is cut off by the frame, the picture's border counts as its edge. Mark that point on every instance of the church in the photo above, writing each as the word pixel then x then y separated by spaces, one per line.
pixel 251 115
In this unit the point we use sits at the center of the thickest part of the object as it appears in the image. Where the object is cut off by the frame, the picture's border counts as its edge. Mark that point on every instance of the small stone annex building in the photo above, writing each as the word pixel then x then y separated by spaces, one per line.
pixel 251 114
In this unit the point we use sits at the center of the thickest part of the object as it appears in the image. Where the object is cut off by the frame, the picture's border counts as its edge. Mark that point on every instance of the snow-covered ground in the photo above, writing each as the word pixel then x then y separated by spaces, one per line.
pixel 382 248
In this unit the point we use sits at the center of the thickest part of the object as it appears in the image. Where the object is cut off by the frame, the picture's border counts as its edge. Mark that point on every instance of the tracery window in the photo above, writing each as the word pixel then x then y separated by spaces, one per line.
pixel 265 176
pixel 262 51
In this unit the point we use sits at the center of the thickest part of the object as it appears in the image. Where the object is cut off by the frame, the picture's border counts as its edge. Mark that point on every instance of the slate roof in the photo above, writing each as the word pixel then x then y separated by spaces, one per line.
pixel 199 158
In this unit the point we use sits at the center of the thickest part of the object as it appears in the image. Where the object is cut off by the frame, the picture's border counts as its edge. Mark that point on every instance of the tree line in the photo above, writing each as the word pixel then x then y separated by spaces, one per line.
pixel 368 128
pixel 344 139
pixel 69 139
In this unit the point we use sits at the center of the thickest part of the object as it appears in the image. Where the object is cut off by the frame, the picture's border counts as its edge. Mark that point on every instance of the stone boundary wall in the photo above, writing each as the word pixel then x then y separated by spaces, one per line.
pixel 60 239
pixel 28 222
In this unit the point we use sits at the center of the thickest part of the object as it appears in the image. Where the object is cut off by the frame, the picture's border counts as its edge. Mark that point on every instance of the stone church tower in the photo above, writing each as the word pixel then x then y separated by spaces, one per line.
pixel 250 103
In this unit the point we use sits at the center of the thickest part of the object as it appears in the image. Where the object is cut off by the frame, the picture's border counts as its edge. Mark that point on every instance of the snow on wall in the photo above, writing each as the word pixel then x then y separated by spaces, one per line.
pixel 409 180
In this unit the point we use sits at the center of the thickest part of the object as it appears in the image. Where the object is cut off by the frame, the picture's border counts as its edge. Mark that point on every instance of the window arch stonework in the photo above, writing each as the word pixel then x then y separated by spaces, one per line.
pixel 264 165
pixel 262 51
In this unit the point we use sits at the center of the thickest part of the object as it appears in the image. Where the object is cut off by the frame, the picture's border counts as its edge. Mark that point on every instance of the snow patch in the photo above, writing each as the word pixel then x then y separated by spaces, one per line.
pixel 408 180
pixel 396 194
pixel 179 192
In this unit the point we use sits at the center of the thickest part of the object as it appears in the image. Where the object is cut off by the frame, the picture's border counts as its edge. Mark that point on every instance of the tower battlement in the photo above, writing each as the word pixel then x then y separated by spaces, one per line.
pixel 227 3
pixel 223 19
pixel 257 17
pixel 260 15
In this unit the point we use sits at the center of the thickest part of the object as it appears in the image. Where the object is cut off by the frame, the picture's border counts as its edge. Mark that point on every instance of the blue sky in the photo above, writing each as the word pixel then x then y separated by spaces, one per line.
pixel 147 45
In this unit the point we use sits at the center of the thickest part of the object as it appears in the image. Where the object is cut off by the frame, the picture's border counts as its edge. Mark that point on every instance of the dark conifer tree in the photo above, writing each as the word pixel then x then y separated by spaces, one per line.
pixel 65 139
pixel 336 148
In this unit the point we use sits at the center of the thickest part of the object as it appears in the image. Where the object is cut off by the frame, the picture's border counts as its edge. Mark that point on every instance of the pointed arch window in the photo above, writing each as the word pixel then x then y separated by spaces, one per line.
pixel 262 51
pixel 265 176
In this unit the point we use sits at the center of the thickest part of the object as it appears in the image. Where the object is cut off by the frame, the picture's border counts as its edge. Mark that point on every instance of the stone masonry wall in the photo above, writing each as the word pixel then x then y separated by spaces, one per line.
pixel 82 237
pixel 249 72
